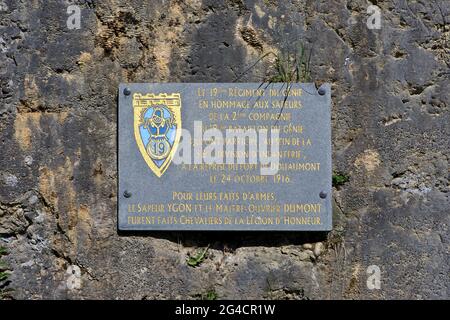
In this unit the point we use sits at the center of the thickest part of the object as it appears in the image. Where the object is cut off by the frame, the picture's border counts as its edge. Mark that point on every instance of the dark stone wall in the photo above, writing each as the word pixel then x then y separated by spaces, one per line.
pixel 58 171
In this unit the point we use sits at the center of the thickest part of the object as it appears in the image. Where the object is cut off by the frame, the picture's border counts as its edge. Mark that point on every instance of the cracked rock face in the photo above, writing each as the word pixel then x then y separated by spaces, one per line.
pixel 58 173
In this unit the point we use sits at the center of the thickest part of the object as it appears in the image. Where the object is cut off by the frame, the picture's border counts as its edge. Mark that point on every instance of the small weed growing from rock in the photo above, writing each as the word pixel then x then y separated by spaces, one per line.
pixel 208 295
pixel 339 179
pixel 288 68
pixel 195 261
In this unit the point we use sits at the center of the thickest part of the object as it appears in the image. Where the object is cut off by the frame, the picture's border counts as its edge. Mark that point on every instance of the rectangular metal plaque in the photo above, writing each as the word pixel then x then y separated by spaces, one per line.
pixel 181 166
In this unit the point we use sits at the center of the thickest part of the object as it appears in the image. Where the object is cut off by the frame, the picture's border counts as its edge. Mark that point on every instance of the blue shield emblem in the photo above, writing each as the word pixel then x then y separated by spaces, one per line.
pixel 157 128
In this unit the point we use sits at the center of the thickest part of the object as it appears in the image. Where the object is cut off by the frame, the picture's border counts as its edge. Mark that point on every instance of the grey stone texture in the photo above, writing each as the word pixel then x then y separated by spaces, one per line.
pixel 58 159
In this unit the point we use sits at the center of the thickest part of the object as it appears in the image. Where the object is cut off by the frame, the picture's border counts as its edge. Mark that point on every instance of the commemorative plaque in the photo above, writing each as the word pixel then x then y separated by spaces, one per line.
pixel 224 156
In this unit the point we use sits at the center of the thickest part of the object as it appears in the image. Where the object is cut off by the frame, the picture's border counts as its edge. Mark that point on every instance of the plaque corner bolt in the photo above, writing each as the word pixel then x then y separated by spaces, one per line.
pixel 127 91
pixel 127 194
pixel 322 91
pixel 323 194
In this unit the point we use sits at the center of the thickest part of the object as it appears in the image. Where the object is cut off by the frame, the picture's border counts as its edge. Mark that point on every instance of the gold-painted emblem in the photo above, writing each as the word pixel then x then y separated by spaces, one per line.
pixel 157 128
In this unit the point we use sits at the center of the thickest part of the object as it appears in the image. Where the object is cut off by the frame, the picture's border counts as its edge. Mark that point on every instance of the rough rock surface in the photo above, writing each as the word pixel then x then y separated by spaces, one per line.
pixel 58 172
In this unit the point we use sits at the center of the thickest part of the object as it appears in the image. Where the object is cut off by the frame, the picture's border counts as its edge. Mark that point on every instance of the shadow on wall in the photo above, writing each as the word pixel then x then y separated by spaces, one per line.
pixel 231 240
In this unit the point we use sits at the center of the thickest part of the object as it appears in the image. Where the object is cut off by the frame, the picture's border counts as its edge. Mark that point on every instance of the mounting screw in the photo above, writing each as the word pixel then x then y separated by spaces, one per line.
pixel 126 194
pixel 127 91
pixel 322 91
pixel 323 194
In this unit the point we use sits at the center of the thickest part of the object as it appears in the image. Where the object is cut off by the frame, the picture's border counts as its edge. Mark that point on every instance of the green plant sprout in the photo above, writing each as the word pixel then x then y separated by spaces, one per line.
pixel 210 295
pixel 196 260
pixel 288 69
pixel 339 179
